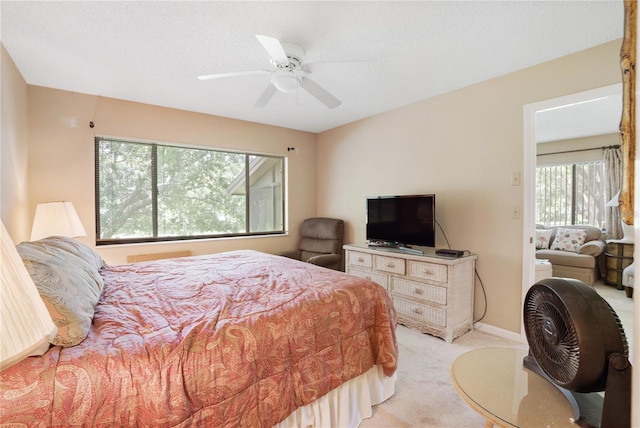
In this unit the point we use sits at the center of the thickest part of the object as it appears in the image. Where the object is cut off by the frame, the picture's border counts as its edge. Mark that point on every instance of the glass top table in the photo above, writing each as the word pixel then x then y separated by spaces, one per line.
pixel 494 382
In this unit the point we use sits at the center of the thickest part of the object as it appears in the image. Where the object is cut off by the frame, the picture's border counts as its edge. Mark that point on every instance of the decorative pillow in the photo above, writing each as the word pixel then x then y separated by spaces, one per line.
pixel 79 249
pixel 69 286
pixel 569 239
pixel 543 236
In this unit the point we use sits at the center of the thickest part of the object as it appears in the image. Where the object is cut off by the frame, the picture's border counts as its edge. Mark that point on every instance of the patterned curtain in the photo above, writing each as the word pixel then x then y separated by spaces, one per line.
pixel 612 185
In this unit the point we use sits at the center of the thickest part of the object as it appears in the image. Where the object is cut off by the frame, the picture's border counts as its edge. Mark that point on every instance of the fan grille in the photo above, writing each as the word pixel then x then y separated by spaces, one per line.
pixel 572 331
pixel 546 316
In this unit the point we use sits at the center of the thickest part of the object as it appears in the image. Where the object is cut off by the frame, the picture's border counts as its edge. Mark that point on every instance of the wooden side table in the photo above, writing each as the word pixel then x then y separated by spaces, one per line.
pixel 619 255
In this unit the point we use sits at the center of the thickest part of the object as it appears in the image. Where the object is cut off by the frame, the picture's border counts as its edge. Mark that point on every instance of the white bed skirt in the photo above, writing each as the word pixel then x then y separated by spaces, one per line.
pixel 347 405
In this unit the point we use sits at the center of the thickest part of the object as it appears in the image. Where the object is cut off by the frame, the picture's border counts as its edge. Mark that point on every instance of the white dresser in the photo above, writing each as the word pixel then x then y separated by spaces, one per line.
pixel 431 294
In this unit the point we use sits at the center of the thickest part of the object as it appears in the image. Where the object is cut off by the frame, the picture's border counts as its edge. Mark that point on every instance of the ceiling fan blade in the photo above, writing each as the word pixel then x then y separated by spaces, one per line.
pixel 320 93
pixel 266 96
pixel 231 74
pixel 274 49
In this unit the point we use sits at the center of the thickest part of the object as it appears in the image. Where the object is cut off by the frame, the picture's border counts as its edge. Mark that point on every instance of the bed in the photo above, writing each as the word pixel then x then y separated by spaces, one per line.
pixel 233 339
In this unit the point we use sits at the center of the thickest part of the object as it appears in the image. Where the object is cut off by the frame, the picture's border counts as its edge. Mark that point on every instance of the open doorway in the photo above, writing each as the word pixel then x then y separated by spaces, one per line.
pixel 565 115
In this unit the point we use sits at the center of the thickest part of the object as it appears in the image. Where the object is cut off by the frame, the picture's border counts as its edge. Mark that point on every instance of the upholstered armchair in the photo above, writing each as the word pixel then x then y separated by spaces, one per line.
pixel 320 242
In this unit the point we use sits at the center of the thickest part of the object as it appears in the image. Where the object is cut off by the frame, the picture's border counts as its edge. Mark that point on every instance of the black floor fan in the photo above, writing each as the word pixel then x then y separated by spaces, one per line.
pixel 577 342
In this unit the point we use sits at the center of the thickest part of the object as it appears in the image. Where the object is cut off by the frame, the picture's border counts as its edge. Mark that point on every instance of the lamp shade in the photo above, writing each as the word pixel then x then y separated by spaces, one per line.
pixel 627 229
pixel 56 219
pixel 615 201
pixel 25 324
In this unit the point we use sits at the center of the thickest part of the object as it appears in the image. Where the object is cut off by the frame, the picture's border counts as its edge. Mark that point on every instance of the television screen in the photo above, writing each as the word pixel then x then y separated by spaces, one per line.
pixel 402 220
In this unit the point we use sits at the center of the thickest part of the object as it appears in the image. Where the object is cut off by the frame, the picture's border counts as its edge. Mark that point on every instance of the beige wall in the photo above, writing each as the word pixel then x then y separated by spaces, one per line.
pixel 61 158
pixel 14 202
pixel 463 146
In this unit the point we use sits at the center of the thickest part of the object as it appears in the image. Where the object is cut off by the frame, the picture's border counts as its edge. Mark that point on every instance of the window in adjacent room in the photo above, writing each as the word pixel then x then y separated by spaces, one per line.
pixel 571 194
pixel 155 192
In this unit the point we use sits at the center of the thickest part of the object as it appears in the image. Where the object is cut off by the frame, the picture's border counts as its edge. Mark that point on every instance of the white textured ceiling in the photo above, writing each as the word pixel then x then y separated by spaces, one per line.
pixel 597 116
pixel 152 51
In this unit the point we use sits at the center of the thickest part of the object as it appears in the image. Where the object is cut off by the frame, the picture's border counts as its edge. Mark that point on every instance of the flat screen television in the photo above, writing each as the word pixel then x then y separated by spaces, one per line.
pixel 401 220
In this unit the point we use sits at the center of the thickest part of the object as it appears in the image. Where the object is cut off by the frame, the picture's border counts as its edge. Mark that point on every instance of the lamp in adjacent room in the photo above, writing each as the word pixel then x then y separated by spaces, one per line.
pixel 56 219
pixel 627 229
pixel 25 324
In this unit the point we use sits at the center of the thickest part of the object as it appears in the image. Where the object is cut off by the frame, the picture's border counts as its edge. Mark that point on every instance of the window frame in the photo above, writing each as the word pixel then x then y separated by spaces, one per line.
pixel 572 206
pixel 154 191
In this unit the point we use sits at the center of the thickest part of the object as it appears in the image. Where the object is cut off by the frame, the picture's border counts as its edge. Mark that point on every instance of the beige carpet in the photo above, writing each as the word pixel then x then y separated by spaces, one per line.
pixel 424 395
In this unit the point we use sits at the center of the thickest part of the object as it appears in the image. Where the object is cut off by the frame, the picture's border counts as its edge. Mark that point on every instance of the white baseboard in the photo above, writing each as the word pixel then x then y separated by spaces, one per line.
pixel 500 332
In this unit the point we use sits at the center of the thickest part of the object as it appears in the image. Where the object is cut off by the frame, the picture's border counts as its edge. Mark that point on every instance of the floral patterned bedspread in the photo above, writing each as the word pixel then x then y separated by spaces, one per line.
pixel 233 339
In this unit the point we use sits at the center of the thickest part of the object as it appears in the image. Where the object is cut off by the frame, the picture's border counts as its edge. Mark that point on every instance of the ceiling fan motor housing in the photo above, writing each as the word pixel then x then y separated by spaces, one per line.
pixel 572 331
pixel 287 76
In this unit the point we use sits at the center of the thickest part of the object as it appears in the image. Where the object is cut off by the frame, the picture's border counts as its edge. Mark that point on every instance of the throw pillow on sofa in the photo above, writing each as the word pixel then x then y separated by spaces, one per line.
pixel 569 239
pixel 543 236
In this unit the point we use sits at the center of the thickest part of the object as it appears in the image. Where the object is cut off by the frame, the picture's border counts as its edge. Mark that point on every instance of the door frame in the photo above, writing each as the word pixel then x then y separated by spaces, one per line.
pixel 529 178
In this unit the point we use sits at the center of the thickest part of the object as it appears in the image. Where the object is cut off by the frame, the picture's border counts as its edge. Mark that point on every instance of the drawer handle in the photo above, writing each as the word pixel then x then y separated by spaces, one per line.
pixel 368 277
pixel 391 265
pixel 428 272
pixel 361 259
pixel 418 290
pixel 417 311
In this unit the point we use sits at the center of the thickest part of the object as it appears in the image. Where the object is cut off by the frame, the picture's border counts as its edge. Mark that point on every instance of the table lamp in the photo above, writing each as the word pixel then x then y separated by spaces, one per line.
pixel 56 219
pixel 25 324
pixel 627 229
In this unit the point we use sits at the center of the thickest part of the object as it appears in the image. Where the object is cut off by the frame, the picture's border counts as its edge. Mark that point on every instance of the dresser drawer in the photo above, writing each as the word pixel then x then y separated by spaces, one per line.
pixel 416 290
pixel 389 264
pixel 417 311
pixel 360 259
pixel 379 278
pixel 424 270
pixel 430 294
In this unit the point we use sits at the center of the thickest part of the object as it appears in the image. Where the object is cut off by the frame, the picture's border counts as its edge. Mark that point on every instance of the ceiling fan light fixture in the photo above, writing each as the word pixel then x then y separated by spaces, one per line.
pixel 285 82
pixel 288 74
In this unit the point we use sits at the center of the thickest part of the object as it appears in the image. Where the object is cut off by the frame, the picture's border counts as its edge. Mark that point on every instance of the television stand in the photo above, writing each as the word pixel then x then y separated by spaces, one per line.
pixel 409 250
pixel 394 247
pixel 430 294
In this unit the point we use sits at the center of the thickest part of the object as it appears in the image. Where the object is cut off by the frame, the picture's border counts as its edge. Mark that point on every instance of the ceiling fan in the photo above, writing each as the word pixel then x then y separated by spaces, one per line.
pixel 288 73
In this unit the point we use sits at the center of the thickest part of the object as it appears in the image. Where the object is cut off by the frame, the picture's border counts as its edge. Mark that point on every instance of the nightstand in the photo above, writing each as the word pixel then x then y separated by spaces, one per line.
pixel 619 255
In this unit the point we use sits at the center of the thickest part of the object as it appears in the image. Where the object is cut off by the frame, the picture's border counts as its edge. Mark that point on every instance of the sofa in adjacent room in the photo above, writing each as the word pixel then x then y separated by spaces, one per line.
pixel 574 251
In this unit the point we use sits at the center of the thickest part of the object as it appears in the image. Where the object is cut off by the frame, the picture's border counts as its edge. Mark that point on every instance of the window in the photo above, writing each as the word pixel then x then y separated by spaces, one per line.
pixel 154 192
pixel 570 194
